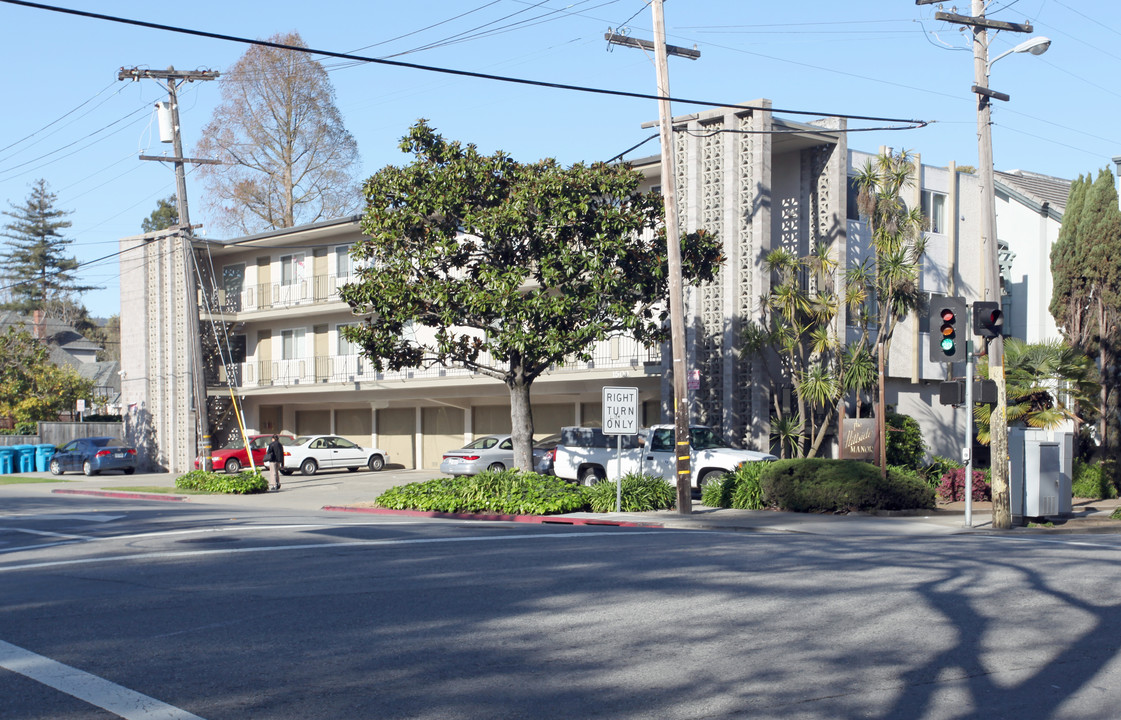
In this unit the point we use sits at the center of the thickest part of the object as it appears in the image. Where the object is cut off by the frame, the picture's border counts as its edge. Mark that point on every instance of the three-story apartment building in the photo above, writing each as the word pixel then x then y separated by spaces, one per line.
pixel 270 312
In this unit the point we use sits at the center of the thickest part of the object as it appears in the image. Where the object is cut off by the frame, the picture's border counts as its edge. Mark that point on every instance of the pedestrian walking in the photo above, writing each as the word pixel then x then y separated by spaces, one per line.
pixel 274 456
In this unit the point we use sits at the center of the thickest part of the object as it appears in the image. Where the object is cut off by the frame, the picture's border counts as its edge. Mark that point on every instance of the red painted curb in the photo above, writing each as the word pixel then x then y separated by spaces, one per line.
pixel 126 495
pixel 535 519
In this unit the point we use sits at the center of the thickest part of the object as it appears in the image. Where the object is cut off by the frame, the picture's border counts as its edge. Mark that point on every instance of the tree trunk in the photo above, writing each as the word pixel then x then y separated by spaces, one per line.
pixel 521 417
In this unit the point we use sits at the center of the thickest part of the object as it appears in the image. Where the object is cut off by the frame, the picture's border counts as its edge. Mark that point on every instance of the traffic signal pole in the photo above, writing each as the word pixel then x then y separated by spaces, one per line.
pixel 967 449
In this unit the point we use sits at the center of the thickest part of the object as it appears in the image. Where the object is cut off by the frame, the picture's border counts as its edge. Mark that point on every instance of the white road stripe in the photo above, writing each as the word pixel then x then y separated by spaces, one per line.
pixel 317 546
pixel 97 691
pixel 29 531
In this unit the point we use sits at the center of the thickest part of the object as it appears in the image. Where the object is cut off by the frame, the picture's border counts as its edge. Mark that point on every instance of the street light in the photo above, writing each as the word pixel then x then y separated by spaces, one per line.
pixel 1035 46
pixel 998 423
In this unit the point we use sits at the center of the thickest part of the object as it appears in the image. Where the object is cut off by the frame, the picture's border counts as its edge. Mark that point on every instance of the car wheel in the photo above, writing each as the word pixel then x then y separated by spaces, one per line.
pixel 496 467
pixel 709 476
pixel 377 462
pixel 308 467
pixel 590 476
pixel 87 468
pixel 233 466
pixel 56 467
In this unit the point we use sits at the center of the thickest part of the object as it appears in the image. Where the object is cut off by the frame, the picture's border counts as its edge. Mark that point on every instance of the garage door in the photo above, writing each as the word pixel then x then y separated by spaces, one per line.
pixel 356 425
pixel 313 422
pixel 443 430
pixel 396 435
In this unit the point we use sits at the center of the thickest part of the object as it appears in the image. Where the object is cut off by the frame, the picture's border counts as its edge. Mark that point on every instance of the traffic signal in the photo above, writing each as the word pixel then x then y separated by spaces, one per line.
pixel 988 319
pixel 947 339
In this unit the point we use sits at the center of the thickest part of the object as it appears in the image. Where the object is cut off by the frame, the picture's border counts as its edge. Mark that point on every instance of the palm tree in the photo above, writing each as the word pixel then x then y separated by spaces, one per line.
pixel 1047 382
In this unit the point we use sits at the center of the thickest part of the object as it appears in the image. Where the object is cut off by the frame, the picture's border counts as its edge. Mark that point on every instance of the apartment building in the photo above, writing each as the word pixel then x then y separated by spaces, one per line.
pixel 756 180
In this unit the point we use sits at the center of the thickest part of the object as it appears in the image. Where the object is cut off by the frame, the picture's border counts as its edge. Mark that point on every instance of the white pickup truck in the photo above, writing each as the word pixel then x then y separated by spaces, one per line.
pixel 587 455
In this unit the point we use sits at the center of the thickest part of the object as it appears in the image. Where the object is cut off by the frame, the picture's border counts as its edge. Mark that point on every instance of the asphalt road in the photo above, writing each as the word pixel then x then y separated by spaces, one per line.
pixel 115 608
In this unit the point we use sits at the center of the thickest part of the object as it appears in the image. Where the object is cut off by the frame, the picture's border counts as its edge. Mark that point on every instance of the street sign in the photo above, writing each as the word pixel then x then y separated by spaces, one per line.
pixel 620 411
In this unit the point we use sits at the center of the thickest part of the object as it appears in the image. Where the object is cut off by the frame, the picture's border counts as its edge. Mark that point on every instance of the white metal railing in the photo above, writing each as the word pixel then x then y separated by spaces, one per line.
pixel 278 295
pixel 614 354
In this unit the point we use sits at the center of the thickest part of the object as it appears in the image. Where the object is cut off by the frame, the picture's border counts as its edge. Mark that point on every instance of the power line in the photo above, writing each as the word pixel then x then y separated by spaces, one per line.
pixel 447 71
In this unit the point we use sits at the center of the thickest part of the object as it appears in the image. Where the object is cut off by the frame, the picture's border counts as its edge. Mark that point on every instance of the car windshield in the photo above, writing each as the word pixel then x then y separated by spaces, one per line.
pixel 482 444
pixel 547 443
pixel 702 438
pixel 303 440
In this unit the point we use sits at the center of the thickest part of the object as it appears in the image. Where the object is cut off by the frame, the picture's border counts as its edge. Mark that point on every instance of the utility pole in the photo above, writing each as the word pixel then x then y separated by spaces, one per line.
pixel 673 251
pixel 172 78
pixel 998 423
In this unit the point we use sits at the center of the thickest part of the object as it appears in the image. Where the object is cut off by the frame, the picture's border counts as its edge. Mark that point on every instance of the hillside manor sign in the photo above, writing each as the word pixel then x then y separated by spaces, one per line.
pixel 858 439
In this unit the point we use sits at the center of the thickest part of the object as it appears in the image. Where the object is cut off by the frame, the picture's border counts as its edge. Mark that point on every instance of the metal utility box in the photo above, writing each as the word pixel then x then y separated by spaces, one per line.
pixel 1040 478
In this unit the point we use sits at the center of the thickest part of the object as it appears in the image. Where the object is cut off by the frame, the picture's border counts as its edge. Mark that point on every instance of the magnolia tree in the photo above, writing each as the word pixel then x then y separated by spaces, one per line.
pixel 507 268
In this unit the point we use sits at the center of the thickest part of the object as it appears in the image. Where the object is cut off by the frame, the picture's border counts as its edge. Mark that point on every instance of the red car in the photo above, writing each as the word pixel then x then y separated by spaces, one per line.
pixel 231 457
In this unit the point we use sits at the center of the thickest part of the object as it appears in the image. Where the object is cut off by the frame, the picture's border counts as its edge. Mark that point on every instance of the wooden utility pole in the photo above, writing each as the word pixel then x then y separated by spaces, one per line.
pixel 998 422
pixel 172 79
pixel 673 252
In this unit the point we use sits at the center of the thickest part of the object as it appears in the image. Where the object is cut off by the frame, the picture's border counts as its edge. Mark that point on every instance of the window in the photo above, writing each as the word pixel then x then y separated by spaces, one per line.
pixel 342 345
pixel 292 344
pixel 291 269
pixel 852 210
pixel 934 210
pixel 344 264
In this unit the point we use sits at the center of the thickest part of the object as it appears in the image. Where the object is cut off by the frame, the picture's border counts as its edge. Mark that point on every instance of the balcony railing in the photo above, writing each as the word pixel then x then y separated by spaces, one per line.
pixel 616 354
pixel 277 295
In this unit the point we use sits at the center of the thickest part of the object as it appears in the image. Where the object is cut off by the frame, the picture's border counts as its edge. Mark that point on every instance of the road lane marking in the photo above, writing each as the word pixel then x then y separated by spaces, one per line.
pixel 92 689
pixel 29 531
pixel 166 555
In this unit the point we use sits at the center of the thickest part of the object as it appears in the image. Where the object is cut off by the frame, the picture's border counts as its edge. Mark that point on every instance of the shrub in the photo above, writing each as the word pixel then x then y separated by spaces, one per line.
pixel 822 485
pixel 640 493
pixel 508 492
pixel 1094 480
pixel 937 469
pixel 243 483
pixel 905 446
pixel 740 490
pixel 952 487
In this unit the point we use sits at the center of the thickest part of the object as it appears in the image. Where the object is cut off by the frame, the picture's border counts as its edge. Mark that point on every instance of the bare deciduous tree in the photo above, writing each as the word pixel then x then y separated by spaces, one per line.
pixel 288 158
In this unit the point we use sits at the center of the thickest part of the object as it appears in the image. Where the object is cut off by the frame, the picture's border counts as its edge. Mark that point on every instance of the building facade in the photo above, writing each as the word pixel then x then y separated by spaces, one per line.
pixel 269 306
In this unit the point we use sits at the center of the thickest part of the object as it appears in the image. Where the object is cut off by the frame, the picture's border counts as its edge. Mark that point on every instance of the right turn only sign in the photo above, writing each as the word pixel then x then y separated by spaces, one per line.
pixel 620 411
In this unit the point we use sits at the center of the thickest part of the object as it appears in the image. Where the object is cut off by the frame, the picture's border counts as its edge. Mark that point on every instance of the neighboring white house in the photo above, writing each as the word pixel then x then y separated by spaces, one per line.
pixel 758 181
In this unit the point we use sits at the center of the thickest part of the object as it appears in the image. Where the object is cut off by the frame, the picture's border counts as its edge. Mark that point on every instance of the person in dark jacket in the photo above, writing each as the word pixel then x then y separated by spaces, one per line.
pixel 274 456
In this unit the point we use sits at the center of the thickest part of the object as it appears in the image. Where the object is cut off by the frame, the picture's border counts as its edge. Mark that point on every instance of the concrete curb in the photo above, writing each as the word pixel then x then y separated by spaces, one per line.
pixel 122 494
pixel 535 519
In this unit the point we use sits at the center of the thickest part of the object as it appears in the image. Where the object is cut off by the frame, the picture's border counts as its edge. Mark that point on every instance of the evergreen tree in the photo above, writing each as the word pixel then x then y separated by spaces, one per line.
pixel 164 216
pixel 1086 295
pixel 36 262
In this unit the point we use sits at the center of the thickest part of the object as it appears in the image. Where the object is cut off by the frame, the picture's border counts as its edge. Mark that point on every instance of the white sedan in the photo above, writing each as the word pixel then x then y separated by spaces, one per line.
pixel 325 452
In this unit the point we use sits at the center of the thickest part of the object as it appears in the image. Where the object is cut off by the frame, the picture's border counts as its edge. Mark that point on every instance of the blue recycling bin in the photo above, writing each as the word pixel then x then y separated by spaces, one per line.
pixel 7 455
pixel 43 455
pixel 25 458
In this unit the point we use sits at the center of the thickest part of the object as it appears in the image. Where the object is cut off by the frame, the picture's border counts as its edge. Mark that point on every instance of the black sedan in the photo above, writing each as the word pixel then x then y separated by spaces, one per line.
pixel 94 455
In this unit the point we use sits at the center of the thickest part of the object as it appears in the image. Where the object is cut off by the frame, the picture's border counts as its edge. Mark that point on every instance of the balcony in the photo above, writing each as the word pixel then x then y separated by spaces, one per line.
pixel 306 291
pixel 617 354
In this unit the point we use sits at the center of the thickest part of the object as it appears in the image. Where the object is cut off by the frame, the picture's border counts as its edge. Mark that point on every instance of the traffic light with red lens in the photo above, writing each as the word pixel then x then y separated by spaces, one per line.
pixel 947 335
pixel 988 319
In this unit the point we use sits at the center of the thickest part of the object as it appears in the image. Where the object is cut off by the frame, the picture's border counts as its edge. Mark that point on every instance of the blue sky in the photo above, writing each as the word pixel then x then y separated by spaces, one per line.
pixel 67 119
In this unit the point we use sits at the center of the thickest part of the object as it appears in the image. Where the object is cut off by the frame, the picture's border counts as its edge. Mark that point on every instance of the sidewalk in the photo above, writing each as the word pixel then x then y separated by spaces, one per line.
pixel 356 492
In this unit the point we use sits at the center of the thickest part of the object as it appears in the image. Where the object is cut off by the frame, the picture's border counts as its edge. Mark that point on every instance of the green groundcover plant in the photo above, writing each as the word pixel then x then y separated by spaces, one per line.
pixel 639 493
pixel 739 490
pixel 242 483
pixel 508 492
pixel 1095 480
